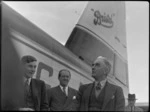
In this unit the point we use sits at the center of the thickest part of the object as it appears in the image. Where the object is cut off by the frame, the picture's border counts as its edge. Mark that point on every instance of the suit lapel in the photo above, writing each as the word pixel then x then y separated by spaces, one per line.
pixel 87 94
pixel 34 92
pixel 109 91
pixel 69 97
pixel 59 91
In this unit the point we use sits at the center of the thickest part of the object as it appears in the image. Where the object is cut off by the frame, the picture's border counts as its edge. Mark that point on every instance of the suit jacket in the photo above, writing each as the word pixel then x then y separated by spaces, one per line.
pixel 135 109
pixel 113 99
pixel 39 95
pixel 55 97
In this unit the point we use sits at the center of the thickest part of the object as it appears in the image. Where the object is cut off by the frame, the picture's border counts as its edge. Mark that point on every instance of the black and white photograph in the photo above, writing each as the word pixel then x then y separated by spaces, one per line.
pixel 75 56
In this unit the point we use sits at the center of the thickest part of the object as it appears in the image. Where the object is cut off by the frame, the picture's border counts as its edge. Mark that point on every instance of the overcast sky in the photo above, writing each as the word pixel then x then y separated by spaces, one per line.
pixel 64 16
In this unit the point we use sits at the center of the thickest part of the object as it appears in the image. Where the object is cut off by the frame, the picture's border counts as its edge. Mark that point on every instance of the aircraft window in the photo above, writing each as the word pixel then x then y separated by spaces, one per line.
pixel 45 67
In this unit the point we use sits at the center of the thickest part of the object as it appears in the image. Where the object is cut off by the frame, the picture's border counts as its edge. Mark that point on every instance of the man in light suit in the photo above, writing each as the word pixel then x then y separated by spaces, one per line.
pixel 100 95
pixel 62 97
pixel 35 96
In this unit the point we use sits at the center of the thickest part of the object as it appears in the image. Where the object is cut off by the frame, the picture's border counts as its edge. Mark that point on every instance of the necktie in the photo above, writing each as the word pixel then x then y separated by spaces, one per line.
pixel 64 90
pixel 98 86
pixel 26 91
pixel 27 85
pixel 97 89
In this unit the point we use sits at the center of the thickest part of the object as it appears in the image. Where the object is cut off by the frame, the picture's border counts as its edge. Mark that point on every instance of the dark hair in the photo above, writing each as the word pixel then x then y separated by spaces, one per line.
pixel 27 59
pixel 59 74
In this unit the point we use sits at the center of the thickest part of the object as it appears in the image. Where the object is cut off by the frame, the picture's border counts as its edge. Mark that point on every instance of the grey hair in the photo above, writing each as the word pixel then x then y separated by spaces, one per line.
pixel 106 62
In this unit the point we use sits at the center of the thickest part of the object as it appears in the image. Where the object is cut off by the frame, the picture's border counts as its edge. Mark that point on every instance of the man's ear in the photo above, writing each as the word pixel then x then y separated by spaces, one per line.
pixel 105 70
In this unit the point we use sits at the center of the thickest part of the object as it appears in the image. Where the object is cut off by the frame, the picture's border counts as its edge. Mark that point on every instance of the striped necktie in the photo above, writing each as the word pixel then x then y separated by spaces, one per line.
pixel 27 85
pixel 64 90
pixel 97 89
pixel 98 86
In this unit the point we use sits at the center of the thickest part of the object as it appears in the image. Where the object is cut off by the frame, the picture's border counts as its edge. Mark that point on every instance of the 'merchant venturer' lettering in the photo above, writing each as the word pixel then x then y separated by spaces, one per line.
pixel 103 20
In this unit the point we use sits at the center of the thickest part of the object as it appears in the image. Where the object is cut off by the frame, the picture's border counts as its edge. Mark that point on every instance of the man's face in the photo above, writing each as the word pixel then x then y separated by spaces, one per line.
pixel 64 78
pixel 98 68
pixel 131 102
pixel 30 69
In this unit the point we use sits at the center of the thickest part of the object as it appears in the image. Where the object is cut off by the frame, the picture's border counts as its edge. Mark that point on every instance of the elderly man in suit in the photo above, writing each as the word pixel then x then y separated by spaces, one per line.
pixel 35 96
pixel 131 104
pixel 100 95
pixel 62 97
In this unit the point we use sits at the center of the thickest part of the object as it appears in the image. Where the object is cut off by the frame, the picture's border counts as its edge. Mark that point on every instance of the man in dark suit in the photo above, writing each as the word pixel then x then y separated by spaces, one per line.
pixel 131 104
pixel 100 95
pixel 35 96
pixel 62 97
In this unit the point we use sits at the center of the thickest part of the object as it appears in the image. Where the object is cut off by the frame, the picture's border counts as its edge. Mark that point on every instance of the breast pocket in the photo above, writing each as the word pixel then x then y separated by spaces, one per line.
pixel 111 104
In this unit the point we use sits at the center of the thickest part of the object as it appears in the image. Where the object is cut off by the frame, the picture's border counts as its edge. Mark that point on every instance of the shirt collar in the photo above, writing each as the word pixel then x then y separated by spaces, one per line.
pixel 29 80
pixel 65 89
pixel 103 82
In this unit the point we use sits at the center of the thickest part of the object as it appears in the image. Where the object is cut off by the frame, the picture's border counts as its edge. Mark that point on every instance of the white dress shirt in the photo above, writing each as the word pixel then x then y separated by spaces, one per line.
pixel 66 89
pixel 103 82
pixel 29 80
pixel 97 92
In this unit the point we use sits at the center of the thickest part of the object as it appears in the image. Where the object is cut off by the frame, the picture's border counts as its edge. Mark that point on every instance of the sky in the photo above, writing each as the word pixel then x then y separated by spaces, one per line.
pixel 137 28
pixel 64 15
